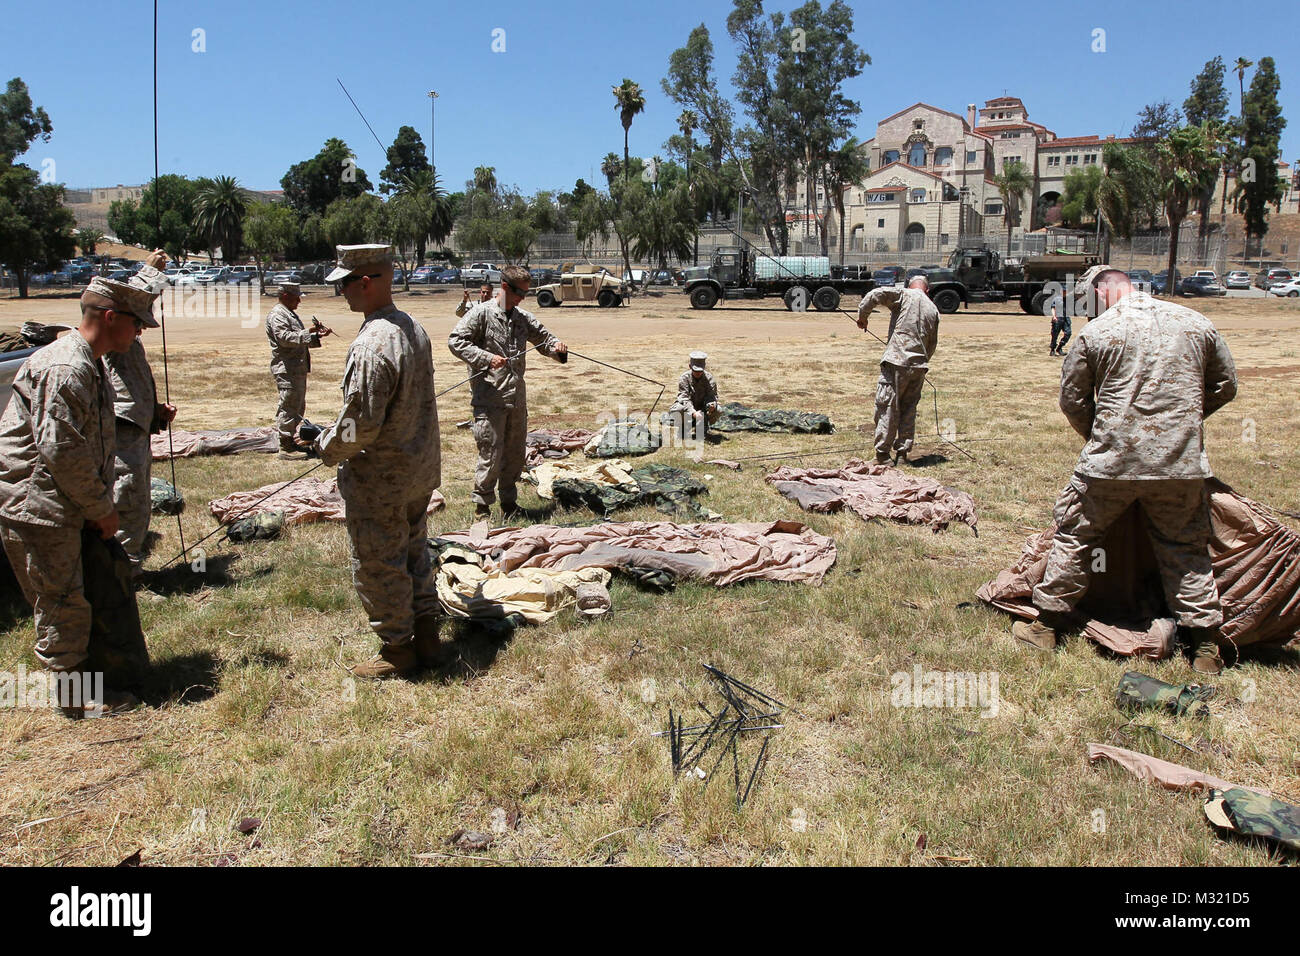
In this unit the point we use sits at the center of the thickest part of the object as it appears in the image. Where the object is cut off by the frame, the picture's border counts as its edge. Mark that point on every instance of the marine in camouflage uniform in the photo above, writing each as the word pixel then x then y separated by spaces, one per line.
pixel 386 444
pixel 57 442
pixel 291 343
pixel 492 339
pixel 1137 384
pixel 138 415
pixel 913 337
pixel 697 394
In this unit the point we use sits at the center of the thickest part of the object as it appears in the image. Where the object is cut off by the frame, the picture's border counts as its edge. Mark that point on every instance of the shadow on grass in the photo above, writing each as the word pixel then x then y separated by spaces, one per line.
pixel 471 647
pixel 186 679
pixel 929 461
pixel 183 579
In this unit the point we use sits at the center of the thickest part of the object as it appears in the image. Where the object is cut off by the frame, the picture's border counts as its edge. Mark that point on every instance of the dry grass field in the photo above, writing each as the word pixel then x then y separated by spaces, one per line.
pixel 257 716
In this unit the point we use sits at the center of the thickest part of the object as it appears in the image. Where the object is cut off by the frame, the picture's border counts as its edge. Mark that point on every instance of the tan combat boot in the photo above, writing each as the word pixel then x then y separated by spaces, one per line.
pixel 427 646
pixel 1208 660
pixel 1035 633
pixel 482 511
pixel 90 701
pixel 393 660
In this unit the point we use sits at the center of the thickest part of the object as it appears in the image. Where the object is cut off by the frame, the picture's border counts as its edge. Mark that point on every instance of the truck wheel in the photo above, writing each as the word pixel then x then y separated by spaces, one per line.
pixel 826 299
pixel 1042 304
pixel 606 299
pixel 797 298
pixel 545 298
pixel 947 301
pixel 704 297
pixel 1027 303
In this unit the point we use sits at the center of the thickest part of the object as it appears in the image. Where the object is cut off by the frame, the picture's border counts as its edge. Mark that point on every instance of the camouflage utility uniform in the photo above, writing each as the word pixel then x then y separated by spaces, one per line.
pixel 498 396
pixel 1137 384
pixel 137 410
pixel 697 394
pixel 57 439
pixel 386 438
pixel 290 363
pixel 913 337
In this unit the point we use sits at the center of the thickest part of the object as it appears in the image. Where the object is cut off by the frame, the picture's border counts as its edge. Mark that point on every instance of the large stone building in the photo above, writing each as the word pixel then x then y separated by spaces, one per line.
pixel 931 179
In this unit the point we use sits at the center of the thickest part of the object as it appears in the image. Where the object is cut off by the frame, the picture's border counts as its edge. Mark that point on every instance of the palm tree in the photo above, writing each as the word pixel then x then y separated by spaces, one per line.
pixel 88 239
pixel 1240 67
pixel 219 207
pixel 1012 184
pixel 485 178
pixel 1186 161
pixel 424 189
pixel 629 101
pixel 610 167
pixel 845 167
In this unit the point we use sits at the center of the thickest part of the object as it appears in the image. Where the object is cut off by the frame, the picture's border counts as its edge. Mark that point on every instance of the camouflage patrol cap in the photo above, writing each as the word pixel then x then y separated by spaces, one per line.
pixel 352 258
pixel 1083 285
pixel 290 288
pixel 135 296
pixel 698 359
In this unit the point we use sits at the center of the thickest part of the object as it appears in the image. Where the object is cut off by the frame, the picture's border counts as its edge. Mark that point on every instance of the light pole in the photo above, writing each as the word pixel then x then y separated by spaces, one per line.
pixel 433 99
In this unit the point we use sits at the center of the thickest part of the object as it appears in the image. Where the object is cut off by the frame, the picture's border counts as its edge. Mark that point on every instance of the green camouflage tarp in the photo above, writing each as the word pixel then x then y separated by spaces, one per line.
pixel 623 439
pixel 670 490
pixel 259 527
pixel 117 647
pixel 166 500
pixel 1254 814
pixel 1139 692
pixel 734 417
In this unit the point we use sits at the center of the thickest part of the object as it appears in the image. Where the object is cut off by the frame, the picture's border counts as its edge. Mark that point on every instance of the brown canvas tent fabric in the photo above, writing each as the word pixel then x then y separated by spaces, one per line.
pixel 875 491
pixel 548 443
pixel 469 586
pixel 1171 776
pixel 232 441
pixel 304 501
pixel 718 553
pixel 1256 562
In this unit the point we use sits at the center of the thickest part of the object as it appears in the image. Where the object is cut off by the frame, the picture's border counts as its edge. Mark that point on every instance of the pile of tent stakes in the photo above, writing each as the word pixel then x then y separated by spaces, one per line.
pixel 745 711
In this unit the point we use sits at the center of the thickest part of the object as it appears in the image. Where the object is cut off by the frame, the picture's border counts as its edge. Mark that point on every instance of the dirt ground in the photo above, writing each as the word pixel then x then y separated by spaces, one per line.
pixel 552 728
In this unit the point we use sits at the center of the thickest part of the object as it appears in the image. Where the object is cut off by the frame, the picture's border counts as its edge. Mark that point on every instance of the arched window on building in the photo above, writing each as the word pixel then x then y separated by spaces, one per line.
pixel 916 156
pixel 891 156
pixel 914 237
pixel 943 156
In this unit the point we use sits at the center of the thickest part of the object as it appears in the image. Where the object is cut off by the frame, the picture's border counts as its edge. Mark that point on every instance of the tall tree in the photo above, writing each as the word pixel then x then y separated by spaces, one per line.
pixel 1156 121
pixel 845 168
pixel 1186 161
pixel 405 158
pixel 1080 198
pixel 629 100
pixel 429 200
pixel 1012 184
pixel 312 185
pixel 1263 123
pixel 219 208
pixel 1207 105
pixel 21 123
pixel 1127 188
pixel 35 226
pixel 691 83
pixel 269 230
pixel 162 219
pixel 351 220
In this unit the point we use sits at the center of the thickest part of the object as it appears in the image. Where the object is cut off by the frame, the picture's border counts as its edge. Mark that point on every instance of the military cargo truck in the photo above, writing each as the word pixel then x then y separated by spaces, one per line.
pixel 802 282
pixel 978 274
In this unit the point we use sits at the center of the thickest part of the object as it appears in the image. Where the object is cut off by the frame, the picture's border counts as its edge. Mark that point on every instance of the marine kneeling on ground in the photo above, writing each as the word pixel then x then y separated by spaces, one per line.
pixel 1138 384
pixel 57 443
pixel 385 442
pixel 697 397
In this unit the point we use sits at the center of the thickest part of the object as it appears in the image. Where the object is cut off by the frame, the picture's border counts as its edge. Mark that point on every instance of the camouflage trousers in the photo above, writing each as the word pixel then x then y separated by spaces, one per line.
pixel 1177 517
pixel 292 387
pixel 501 435
pixel 47 564
pixel 898 393
pixel 391 568
pixel 133 466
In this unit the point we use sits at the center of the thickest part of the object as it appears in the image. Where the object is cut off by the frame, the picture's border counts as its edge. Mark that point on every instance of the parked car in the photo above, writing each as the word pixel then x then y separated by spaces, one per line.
pixel 448 276
pixel 1206 274
pixel 312 273
pixel 399 277
pixel 241 275
pixel 1266 278
pixel 285 275
pixel 1237 279
pixel 10 363
pixel 541 276
pixel 1161 279
pixel 889 275
pixel 1201 286
pixel 663 277
pixel 212 274
pixel 1290 289
pixel 480 272
pixel 423 275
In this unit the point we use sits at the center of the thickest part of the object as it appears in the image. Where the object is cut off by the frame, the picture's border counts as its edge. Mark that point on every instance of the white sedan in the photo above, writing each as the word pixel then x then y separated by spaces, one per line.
pixel 1290 289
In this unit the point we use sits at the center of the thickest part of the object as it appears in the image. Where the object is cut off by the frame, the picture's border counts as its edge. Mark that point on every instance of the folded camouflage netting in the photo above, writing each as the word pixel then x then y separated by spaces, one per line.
pixel 875 491
pixel 621 439
pixel 1251 814
pixel 164 499
pixel 1256 562
pixel 734 417
pixel 608 486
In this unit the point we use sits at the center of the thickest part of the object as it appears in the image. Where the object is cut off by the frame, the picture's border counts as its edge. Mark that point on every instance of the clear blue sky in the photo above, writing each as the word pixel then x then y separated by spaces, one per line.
pixel 263 96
